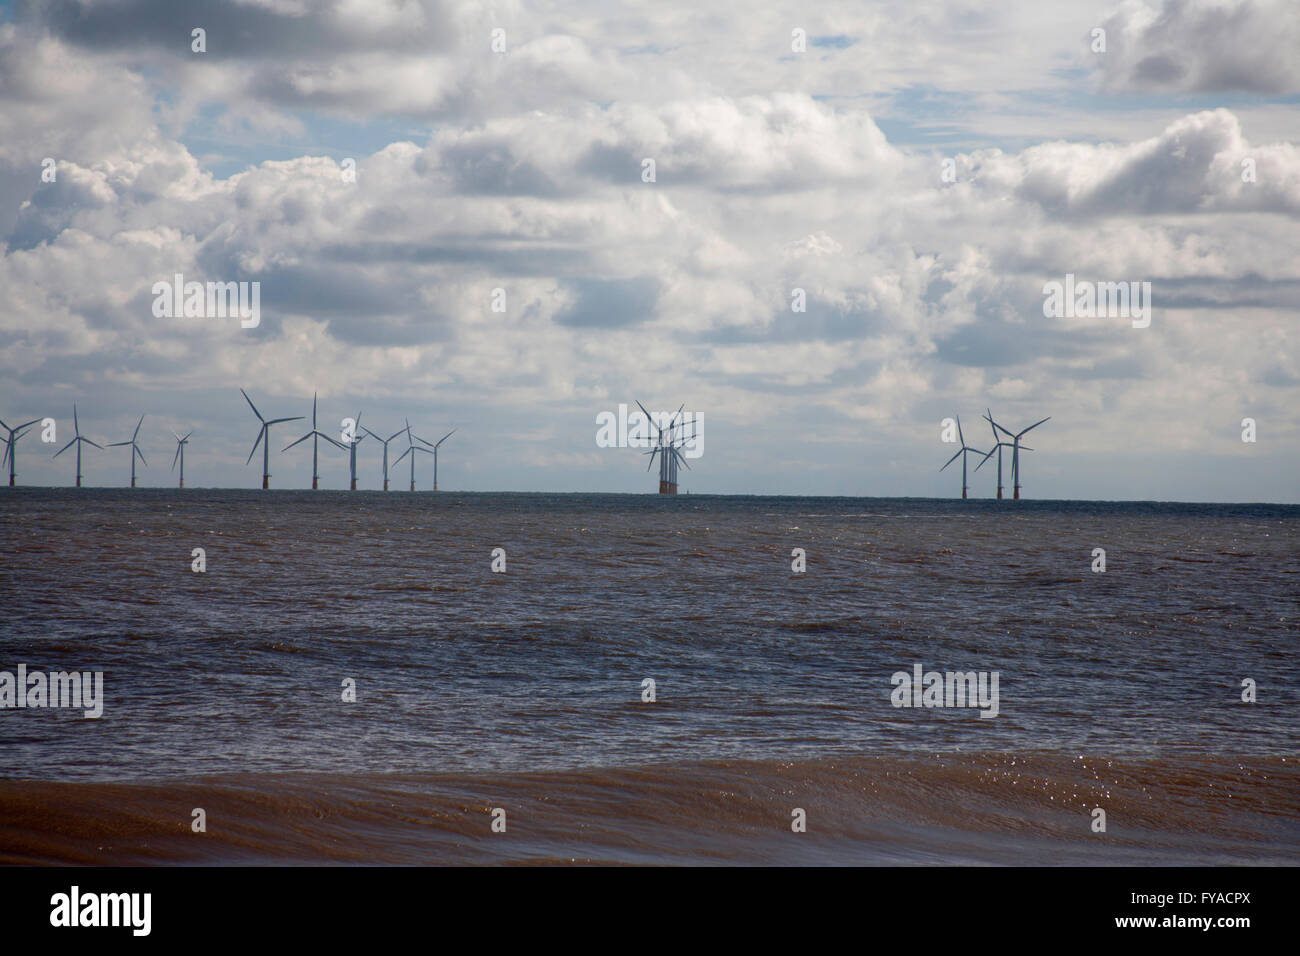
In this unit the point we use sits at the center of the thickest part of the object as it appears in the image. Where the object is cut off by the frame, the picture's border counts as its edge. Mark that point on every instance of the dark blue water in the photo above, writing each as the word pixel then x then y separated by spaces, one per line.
pixel 459 669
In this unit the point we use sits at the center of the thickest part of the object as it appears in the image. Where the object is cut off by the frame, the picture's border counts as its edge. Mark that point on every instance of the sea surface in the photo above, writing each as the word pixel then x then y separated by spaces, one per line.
pixel 523 691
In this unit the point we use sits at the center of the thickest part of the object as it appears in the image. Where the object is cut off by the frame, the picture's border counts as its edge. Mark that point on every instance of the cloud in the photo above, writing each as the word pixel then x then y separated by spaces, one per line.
pixel 1200 164
pixel 1200 46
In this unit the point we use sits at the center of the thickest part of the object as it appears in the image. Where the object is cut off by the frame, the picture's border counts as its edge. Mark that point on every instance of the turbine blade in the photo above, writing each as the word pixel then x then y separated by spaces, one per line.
pixel 445 437
pixel 187 435
pixel 140 453
pixel 21 427
pixel 260 435
pixel 96 444
pixel 1035 425
pixel 177 455
pixel 252 406
pixel 65 448
pixel 76 428
pixel 952 459
pixel 960 436
pixel 116 444
pixel 276 421
pixel 404 454
pixel 650 421
pixel 136 433
pixel 298 442
pixel 985 458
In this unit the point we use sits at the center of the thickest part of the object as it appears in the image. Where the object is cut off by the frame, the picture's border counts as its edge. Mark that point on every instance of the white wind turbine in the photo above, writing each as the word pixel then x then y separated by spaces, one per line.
pixel 384 442
pixel 135 448
pixel 11 441
pixel 1015 451
pixel 76 427
pixel 962 452
pixel 315 435
pixel 180 454
pixel 411 449
pixel 352 450
pixel 435 447
pixel 668 447
pixel 264 438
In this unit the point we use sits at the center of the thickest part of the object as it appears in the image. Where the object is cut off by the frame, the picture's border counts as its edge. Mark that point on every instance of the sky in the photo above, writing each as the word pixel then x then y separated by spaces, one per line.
pixel 920 170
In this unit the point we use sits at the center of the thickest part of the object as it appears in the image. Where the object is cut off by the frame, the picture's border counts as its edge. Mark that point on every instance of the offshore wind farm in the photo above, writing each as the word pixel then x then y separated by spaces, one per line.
pixel 551 619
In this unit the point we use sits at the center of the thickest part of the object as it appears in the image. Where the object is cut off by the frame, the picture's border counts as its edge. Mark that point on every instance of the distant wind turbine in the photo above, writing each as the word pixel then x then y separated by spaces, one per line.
pixel 962 452
pixel 76 427
pixel 384 442
pixel 11 441
pixel 135 448
pixel 668 448
pixel 180 454
pixel 411 449
pixel 264 438
pixel 315 435
pixel 352 453
pixel 1015 451
pixel 435 455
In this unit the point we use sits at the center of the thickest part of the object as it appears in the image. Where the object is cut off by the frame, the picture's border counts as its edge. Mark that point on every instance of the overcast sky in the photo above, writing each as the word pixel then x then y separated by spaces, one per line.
pixel 775 169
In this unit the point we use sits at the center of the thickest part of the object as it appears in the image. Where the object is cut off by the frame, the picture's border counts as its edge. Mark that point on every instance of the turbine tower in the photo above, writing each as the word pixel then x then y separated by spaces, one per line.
pixel 352 454
pixel 180 454
pixel 76 427
pixel 14 435
pixel 384 442
pixel 435 455
pixel 998 448
pixel 264 438
pixel 962 452
pixel 135 448
pixel 411 449
pixel 315 435
pixel 668 448
pixel 1015 451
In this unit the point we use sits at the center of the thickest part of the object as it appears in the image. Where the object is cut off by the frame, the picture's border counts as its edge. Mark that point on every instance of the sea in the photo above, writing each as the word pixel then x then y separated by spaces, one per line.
pixel 302 677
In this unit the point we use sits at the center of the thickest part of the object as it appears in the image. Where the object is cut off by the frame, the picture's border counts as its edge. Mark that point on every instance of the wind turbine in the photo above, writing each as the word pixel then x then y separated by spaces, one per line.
pixel 352 450
pixel 14 435
pixel 668 449
pixel 180 454
pixel 135 449
pixel 315 437
pixel 264 437
pixel 384 442
pixel 962 452
pixel 411 449
pixel 435 455
pixel 76 427
pixel 1015 452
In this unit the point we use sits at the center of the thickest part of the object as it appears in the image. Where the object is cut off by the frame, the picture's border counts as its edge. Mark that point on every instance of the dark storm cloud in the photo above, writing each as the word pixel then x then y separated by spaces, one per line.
pixel 492 168
pixel 995 342
pixel 1198 46
pixel 610 303
pixel 235 30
